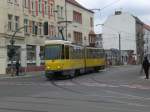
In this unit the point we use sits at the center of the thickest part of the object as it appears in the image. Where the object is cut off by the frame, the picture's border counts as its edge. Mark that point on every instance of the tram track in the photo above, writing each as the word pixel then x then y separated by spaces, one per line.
pixel 66 88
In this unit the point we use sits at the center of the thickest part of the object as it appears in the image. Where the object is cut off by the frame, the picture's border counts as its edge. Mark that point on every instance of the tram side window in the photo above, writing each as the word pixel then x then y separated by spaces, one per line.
pixel 98 53
pixel 80 53
pixel 101 53
pixel 71 52
pixel 76 53
pixel 94 53
pixel 89 53
pixel 62 52
pixel 66 52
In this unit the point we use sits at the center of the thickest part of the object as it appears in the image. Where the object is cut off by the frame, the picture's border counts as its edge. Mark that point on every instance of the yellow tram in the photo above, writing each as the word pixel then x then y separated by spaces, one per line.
pixel 64 58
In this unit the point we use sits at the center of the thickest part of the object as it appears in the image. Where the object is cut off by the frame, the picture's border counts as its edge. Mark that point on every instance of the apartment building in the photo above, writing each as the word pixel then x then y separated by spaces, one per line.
pixel 38 20
pixel 130 31
pixel 147 40
pixel 81 30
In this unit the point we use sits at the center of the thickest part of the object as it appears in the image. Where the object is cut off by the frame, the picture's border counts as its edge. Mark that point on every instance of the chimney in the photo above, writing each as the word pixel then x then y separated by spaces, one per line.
pixel 118 12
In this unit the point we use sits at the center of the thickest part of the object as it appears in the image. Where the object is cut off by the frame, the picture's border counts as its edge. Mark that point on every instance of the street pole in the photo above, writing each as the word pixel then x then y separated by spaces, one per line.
pixel 66 19
pixel 12 42
pixel 119 49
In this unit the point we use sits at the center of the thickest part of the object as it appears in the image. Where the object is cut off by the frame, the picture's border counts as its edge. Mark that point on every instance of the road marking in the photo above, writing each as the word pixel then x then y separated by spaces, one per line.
pixel 87 84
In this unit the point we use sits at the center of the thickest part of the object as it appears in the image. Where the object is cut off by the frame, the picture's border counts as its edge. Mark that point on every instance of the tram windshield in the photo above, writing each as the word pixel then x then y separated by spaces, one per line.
pixel 53 52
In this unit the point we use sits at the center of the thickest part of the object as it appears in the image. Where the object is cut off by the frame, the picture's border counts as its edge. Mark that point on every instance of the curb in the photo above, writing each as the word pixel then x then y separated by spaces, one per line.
pixel 33 74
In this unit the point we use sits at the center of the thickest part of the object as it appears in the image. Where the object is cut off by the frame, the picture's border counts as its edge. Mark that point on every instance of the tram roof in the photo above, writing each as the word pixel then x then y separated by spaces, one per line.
pixel 57 42
pixel 94 48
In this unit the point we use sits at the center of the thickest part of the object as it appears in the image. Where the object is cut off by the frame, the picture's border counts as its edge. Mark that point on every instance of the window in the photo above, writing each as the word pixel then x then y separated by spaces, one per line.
pixel 52 30
pixel 40 6
pixel 66 52
pixel 33 8
pixel 77 17
pixel 46 8
pixel 53 52
pixel 51 9
pixel 40 29
pixel 33 27
pixel 31 53
pixel 16 23
pixel 16 2
pixel 61 12
pixel 58 10
pixel 42 54
pixel 26 22
pixel 91 22
pixel 10 22
pixel 78 37
pixel 75 52
pixel 17 55
pixel 25 3
pixel 10 1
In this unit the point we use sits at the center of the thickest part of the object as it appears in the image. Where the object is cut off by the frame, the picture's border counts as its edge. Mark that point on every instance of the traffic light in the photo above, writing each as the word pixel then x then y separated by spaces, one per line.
pixel 11 53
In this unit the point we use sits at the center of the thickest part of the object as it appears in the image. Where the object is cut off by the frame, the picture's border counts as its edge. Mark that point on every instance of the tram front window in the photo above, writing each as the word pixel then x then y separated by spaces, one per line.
pixel 53 52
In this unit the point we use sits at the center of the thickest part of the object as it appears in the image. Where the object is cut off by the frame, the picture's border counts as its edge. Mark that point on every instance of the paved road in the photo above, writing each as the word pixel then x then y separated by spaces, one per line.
pixel 116 89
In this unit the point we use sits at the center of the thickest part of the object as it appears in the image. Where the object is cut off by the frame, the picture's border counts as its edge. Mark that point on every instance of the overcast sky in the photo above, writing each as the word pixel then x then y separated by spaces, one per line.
pixel 139 8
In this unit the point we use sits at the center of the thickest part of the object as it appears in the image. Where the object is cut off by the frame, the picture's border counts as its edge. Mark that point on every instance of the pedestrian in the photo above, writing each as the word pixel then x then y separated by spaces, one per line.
pixel 145 66
pixel 17 67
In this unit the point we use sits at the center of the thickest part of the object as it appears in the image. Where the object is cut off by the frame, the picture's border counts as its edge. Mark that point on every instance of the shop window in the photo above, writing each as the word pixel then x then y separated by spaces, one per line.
pixel 31 53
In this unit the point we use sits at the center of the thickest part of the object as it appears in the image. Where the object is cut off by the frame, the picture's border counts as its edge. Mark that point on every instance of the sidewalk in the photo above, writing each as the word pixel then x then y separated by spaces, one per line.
pixel 29 74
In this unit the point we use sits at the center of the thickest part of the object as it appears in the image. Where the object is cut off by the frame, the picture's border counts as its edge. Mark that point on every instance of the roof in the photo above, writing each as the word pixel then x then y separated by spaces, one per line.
pixel 138 20
pixel 92 32
pixel 74 2
pixel 147 27
pixel 88 47
pixel 62 42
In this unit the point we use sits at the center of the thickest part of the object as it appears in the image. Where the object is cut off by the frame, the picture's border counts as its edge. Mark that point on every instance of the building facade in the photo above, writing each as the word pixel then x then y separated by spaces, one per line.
pixel 125 32
pixel 34 21
pixel 81 30
pixel 99 41
pixel 147 40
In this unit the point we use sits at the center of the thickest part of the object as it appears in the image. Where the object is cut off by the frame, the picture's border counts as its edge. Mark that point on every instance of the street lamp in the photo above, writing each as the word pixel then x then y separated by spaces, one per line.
pixel 66 19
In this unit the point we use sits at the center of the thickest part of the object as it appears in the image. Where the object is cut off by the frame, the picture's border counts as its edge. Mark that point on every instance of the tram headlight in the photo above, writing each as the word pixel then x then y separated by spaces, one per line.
pixel 48 67
pixel 58 67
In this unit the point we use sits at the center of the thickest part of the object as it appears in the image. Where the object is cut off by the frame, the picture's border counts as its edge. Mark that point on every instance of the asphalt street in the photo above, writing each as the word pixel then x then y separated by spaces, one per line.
pixel 115 89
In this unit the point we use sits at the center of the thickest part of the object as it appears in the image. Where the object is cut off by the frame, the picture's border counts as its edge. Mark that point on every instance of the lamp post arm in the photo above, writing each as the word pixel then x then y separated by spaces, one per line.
pixel 17 31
